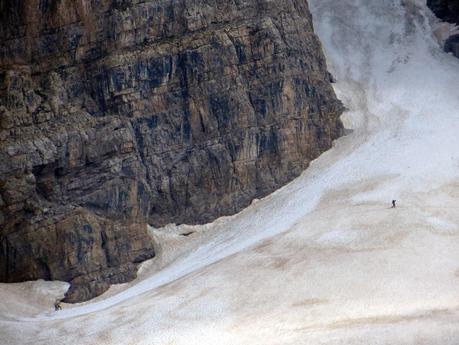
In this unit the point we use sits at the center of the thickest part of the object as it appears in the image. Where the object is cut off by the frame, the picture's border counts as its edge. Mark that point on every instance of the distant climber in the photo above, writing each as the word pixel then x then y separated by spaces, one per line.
pixel 57 305
pixel 393 203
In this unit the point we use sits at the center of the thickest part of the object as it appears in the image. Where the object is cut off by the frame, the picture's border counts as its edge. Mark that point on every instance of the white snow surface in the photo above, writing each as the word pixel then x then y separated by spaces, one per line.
pixel 324 260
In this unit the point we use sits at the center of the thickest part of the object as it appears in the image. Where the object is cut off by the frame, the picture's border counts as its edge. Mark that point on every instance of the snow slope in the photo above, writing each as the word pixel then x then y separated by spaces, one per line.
pixel 324 260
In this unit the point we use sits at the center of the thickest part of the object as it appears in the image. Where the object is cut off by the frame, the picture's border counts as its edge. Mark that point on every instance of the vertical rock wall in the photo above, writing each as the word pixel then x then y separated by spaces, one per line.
pixel 119 113
pixel 448 11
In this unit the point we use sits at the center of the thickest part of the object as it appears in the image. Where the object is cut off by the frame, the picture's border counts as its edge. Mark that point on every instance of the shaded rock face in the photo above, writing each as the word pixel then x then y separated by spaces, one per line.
pixel 448 11
pixel 452 45
pixel 119 113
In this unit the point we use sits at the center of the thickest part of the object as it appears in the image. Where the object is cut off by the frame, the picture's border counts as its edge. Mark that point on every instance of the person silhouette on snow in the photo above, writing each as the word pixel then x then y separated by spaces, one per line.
pixel 57 305
pixel 393 203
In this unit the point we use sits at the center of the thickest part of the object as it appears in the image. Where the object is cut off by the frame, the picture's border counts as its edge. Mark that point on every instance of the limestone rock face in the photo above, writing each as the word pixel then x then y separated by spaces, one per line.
pixel 119 113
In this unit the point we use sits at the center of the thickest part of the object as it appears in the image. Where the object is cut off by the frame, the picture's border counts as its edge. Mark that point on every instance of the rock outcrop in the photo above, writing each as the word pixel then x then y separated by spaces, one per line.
pixel 119 113
pixel 448 11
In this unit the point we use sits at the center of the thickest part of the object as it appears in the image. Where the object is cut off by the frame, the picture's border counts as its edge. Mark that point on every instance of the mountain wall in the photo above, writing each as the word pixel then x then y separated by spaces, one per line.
pixel 448 11
pixel 119 113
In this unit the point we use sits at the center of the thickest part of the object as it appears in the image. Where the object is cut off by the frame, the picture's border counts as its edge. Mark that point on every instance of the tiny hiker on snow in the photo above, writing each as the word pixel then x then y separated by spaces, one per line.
pixel 393 203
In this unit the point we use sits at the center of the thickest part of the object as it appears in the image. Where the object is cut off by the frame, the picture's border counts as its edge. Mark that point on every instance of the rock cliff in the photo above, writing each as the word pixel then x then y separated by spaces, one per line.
pixel 448 11
pixel 119 113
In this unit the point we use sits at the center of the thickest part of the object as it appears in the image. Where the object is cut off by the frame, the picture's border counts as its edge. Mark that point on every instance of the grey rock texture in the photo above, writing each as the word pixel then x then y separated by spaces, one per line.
pixel 119 113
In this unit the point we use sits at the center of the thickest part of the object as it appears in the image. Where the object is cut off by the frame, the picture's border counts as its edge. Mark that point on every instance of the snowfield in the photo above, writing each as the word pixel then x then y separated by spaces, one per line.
pixel 324 260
